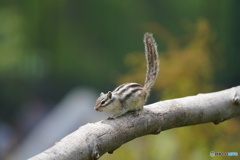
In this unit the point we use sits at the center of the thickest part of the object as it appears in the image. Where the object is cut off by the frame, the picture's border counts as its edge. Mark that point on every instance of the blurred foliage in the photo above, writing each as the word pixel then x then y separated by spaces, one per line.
pixel 50 47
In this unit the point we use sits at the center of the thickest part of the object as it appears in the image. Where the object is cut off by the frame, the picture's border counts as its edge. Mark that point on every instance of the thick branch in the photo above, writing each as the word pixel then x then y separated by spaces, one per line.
pixel 94 139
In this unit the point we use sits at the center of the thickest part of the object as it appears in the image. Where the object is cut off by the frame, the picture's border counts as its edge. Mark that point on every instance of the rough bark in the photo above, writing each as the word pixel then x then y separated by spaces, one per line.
pixel 94 139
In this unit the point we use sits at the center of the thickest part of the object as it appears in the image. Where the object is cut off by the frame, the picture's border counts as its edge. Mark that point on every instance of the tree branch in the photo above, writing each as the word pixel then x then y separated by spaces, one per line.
pixel 94 139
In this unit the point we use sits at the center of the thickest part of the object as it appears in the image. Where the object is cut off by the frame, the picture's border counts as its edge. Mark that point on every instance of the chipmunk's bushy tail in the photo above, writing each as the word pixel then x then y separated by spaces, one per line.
pixel 152 61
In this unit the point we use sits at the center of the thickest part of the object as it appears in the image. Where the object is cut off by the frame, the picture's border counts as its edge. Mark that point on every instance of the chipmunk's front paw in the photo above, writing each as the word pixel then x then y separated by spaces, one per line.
pixel 110 118
pixel 137 113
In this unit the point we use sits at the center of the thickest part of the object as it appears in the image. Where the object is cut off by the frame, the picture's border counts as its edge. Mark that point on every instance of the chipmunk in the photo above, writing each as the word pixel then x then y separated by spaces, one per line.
pixel 132 96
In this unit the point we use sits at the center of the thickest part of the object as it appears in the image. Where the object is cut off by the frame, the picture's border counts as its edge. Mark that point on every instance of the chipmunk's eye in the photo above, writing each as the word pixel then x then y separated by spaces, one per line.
pixel 102 102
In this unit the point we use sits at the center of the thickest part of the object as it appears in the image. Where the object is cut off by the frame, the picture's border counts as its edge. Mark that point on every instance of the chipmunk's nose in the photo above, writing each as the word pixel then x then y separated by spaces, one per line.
pixel 97 109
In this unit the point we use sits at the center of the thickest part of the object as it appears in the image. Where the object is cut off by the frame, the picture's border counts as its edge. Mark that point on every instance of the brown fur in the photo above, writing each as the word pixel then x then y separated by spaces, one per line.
pixel 152 62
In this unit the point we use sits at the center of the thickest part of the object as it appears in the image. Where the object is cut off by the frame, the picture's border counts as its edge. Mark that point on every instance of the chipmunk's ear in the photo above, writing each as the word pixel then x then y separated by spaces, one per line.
pixel 109 94
pixel 101 93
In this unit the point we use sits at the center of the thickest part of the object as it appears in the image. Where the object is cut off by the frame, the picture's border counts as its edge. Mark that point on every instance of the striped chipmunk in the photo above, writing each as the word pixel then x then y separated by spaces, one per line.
pixel 132 96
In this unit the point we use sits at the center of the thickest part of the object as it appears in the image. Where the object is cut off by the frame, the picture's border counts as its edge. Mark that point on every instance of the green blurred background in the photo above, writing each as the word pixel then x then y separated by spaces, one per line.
pixel 49 47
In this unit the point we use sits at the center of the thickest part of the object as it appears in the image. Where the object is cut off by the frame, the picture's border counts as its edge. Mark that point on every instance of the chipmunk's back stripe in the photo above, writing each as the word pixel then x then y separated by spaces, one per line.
pixel 125 86
pixel 131 93
pixel 119 87
pixel 128 88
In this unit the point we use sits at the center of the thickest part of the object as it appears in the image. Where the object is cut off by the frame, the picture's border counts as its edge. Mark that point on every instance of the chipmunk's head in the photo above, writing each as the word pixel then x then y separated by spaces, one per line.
pixel 105 103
